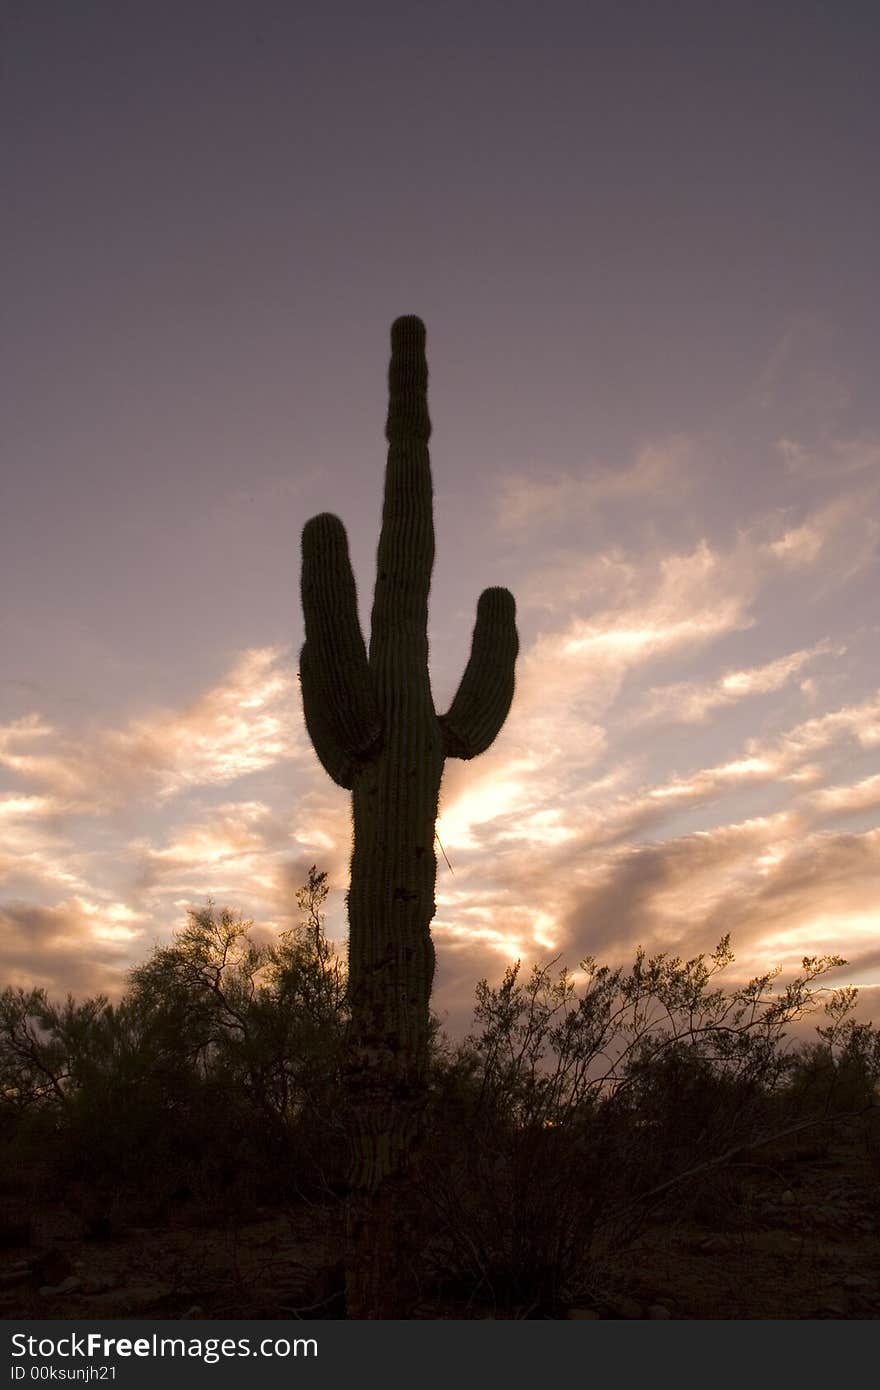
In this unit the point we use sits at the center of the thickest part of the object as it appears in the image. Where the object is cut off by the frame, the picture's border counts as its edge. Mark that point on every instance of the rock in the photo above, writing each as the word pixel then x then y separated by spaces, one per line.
pixel 135 1297
pixel 11 1277
pixel 69 1285
pixel 54 1267
pixel 657 1312
pixel 857 1281
pixel 582 1315
pixel 626 1308
pixel 99 1283
pixel 788 1198
pixel 196 1311
pixel 832 1308
pixel 831 1216
pixel 715 1245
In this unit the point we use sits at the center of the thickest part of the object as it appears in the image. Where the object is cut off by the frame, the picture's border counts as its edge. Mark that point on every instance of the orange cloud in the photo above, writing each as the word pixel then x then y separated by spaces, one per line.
pixel 693 701
pixel 77 945
pixel 246 723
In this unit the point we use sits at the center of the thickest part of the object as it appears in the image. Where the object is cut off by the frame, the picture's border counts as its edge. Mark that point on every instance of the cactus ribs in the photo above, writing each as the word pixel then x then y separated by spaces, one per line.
pixel 371 718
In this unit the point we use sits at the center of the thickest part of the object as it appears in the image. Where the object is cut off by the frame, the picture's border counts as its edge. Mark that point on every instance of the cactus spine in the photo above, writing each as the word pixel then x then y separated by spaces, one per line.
pixel 372 721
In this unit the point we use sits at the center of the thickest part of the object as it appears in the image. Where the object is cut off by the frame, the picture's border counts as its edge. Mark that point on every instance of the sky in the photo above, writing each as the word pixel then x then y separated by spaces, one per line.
pixel 643 238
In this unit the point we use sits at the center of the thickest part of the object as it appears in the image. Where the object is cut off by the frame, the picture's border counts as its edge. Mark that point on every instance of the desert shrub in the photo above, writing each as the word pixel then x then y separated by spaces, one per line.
pixel 34 1064
pixel 514 1206
pixel 844 1083
pixel 684 1105
pixel 215 1075
pixel 571 1111
pixel 576 1107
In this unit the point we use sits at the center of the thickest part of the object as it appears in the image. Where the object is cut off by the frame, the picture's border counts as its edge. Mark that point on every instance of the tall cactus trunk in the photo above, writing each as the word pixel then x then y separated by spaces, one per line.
pixel 393 867
pixel 374 727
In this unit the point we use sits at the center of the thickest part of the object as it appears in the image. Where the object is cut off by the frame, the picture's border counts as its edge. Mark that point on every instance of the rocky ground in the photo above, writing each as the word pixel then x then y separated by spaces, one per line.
pixel 792 1234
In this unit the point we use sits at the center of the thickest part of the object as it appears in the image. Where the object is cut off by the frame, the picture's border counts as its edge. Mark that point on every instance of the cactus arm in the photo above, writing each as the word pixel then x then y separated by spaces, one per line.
pixel 484 696
pixel 334 761
pixel 338 675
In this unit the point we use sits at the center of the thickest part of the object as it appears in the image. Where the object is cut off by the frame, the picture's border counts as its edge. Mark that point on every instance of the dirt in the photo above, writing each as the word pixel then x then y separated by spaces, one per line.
pixel 792 1234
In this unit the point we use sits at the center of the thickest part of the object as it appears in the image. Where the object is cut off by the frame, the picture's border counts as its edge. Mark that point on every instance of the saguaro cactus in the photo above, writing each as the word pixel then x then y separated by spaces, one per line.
pixel 372 721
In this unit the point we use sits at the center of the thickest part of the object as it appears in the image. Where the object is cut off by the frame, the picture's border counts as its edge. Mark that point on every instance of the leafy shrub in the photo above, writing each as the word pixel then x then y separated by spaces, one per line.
pixel 576 1107
pixel 216 1074
pixel 570 1112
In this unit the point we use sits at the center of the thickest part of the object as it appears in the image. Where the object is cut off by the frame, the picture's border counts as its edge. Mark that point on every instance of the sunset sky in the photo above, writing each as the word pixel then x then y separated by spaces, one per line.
pixel 643 237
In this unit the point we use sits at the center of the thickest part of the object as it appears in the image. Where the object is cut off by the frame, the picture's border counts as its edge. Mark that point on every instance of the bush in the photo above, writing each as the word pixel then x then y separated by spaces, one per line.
pixel 217 1073
pixel 575 1108
pixel 568 1114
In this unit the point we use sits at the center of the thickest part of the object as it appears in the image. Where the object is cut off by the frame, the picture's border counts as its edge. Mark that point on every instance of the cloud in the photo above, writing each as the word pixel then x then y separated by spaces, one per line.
pixel 800 547
pixel 788 756
pixel 239 852
pixel 560 784
pixel 33 851
pixel 799 376
pixel 568 680
pixel 845 800
pixel 731 577
pixel 572 578
pixel 562 734
pixel 858 723
pixel 814 894
pixel 779 891
pixel 835 459
pixel 844 533
pixel 246 723
pixel 230 844
pixel 548 832
pixel 644 893
pixel 659 471
pixel 674 601
pixel 249 722
pixel 567 876
pixel 242 854
pixel 78 945
pixel 691 702
pixel 26 807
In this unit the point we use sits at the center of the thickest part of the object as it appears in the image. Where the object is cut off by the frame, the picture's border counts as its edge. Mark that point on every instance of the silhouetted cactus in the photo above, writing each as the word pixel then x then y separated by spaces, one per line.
pixel 371 718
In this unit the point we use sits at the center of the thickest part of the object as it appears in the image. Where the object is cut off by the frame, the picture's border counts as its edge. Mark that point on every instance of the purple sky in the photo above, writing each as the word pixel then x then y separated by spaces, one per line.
pixel 643 238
